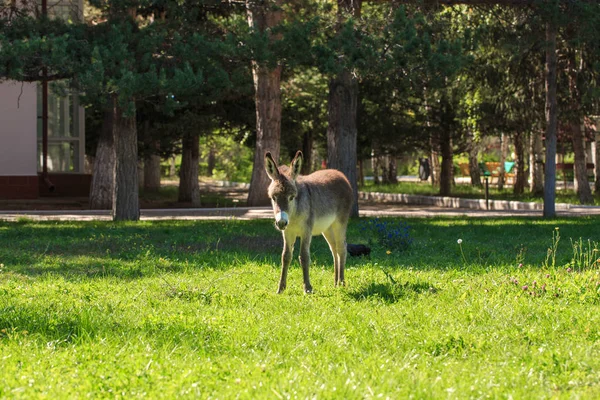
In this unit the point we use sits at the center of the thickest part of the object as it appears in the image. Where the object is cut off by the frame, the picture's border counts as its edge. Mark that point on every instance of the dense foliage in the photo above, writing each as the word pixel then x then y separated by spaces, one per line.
pixel 431 78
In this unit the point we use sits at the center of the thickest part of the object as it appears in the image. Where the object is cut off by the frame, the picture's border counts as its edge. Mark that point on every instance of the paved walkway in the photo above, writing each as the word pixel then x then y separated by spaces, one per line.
pixel 371 204
pixel 366 209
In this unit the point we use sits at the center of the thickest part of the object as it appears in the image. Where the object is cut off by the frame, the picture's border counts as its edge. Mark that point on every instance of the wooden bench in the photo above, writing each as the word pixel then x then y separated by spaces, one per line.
pixel 492 169
pixel 569 169
pixel 464 169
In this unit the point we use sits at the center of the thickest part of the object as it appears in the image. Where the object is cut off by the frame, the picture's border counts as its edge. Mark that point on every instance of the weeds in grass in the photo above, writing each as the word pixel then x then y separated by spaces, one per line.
pixel 462 253
pixel 553 249
pixel 393 290
pixel 570 281
pixel 520 259
pixel 585 255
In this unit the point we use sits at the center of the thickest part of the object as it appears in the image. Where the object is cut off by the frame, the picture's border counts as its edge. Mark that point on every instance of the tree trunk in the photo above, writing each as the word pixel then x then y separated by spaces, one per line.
pixel 536 169
pixel 307 148
pixel 582 186
pixel 580 166
pixel 342 132
pixel 376 167
pixel 189 189
pixel 447 164
pixel 383 165
pixel 393 170
pixel 474 171
pixel 261 17
pixel 101 190
pixel 140 172
pixel 503 154
pixel 152 173
pixel 172 167
pixel 436 169
pixel 211 162
pixel 342 107
pixel 520 181
pixel 473 151
pixel 597 161
pixel 126 203
pixel 551 123
pixel 361 173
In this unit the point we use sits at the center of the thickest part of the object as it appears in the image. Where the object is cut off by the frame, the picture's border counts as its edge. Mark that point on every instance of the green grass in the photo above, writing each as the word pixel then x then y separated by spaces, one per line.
pixel 471 192
pixel 188 309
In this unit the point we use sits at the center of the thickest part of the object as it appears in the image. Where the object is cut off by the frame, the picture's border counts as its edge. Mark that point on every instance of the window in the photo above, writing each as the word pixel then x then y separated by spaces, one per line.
pixel 66 136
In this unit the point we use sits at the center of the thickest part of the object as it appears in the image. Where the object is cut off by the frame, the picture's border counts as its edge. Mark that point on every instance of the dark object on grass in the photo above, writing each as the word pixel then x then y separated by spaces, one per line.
pixel 356 250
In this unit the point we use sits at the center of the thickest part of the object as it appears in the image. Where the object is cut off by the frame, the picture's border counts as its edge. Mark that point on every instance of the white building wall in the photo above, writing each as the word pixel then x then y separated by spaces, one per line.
pixel 18 128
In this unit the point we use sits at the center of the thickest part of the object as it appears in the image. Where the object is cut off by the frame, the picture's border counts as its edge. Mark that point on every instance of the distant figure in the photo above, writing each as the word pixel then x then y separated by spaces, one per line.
pixel 424 169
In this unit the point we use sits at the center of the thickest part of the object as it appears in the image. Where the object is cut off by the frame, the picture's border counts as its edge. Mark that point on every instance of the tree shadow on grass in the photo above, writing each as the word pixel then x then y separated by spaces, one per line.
pixel 143 265
pixel 124 258
pixel 55 325
pixel 391 292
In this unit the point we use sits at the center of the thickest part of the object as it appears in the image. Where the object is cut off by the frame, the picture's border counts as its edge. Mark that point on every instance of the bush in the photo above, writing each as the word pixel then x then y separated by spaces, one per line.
pixel 392 235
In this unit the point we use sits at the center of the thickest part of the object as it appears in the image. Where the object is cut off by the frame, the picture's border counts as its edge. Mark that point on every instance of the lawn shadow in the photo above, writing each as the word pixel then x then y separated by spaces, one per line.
pixel 126 251
pixel 391 292
pixel 133 250
pixel 484 242
pixel 56 324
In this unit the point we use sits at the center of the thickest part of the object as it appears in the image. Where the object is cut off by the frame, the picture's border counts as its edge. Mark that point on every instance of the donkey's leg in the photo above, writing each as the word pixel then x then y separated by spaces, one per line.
pixel 286 259
pixel 330 237
pixel 305 260
pixel 339 233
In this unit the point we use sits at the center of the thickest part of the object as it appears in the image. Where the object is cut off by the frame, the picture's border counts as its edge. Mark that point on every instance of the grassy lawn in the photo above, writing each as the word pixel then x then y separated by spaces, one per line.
pixel 468 191
pixel 188 309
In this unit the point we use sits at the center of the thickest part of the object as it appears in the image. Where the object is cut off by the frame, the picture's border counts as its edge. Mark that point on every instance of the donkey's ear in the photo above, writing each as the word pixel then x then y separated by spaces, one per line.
pixel 297 165
pixel 271 166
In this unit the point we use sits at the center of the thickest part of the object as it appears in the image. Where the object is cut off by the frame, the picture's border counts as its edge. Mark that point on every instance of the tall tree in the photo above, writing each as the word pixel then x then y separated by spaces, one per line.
pixel 473 151
pixel 125 204
pixel 597 159
pixel 520 179
pixel 101 189
pixel 551 122
pixel 536 170
pixel 119 58
pixel 342 107
pixel 263 16
pixel 503 153
pixel 189 189
pixel 152 172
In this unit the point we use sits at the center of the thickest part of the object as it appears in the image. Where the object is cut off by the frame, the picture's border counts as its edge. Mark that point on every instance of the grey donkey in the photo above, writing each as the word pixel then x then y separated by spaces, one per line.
pixel 306 206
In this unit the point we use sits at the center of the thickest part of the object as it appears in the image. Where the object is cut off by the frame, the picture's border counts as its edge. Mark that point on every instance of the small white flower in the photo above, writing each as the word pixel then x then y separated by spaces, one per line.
pixel 459 241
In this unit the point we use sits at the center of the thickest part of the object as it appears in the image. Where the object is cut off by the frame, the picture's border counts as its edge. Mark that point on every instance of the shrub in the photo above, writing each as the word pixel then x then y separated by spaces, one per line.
pixel 392 235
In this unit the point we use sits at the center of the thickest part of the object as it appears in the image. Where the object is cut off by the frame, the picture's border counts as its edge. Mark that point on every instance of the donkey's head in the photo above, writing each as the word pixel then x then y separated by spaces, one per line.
pixel 282 190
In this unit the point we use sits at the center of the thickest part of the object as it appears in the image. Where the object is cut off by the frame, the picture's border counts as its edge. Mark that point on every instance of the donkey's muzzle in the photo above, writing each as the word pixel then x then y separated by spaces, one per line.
pixel 281 224
pixel 281 220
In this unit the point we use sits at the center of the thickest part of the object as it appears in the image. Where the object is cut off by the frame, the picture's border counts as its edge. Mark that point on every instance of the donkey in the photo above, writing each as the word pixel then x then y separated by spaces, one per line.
pixel 306 206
